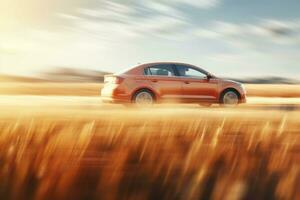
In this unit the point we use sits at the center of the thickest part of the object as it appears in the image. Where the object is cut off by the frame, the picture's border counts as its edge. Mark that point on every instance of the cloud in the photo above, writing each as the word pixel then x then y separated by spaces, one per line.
pixel 159 25
pixel 107 9
pixel 266 46
pixel 67 16
pixel 161 8
pixel 145 27
pixel 204 4
pixel 280 28
pixel 113 20
pixel 260 35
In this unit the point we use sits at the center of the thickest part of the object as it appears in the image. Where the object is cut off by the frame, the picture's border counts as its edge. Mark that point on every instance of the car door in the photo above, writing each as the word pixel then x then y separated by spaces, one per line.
pixel 163 79
pixel 196 86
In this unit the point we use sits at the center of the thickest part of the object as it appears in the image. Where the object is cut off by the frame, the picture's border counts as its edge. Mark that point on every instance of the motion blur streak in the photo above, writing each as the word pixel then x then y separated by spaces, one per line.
pixel 165 153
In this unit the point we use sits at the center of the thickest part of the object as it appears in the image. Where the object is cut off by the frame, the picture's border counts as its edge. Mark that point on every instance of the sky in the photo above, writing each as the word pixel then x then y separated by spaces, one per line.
pixel 232 38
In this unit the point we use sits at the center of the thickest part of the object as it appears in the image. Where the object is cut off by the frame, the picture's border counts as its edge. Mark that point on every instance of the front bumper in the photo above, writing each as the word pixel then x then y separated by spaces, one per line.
pixel 243 99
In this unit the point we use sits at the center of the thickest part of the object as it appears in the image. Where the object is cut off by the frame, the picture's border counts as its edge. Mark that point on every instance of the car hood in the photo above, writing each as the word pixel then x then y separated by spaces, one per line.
pixel 231 82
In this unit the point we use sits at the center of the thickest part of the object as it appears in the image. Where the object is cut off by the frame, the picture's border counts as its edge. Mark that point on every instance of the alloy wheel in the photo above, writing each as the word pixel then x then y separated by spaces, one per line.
pixel 144 98
pixel 230 98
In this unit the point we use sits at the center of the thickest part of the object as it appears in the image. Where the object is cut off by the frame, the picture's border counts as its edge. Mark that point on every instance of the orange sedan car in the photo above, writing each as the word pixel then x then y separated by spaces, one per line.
pixel 170 82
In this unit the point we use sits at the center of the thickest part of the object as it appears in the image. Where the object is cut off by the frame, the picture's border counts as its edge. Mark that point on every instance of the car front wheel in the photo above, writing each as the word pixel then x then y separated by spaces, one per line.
pixel 230 98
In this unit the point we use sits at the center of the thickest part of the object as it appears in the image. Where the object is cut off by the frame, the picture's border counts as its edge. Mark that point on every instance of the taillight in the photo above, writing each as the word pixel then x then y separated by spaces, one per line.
pixel 113 79
pixel 118 80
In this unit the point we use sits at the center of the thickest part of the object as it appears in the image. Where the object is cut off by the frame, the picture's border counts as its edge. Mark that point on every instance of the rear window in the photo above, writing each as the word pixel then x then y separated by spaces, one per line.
pixel 159 70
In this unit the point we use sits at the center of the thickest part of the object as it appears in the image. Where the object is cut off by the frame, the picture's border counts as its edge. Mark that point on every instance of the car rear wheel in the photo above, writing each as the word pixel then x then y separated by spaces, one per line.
pixel 230 98
pixel 143 98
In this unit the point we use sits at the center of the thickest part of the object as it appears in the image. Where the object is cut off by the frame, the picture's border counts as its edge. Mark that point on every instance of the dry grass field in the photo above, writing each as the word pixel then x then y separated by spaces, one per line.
pixel 76 148
pixel 271 90
pixel 52 89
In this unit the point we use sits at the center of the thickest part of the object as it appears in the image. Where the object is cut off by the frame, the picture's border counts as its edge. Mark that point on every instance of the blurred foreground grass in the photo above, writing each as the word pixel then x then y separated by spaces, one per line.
pixel 57 141
pixel 162 153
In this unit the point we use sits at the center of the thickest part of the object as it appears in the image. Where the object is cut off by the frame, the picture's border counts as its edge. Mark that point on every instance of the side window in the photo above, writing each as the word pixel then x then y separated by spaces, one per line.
pixel 190 72
pixel 159 70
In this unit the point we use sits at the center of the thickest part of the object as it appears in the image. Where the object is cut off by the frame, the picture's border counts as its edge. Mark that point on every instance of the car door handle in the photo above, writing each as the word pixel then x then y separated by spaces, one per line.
pixel 154 80
pixel 186 82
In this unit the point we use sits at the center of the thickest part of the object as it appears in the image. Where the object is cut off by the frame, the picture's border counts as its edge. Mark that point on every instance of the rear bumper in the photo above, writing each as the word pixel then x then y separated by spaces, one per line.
pixel 113 93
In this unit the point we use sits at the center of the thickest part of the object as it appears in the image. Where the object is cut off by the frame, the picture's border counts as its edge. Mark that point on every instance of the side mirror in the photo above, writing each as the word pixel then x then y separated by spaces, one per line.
pixel 209 76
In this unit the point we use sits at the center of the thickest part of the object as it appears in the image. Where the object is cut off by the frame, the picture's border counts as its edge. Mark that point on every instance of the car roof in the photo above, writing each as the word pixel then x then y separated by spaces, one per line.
pixel 174 63
pixel 160 63
pixel 139 68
